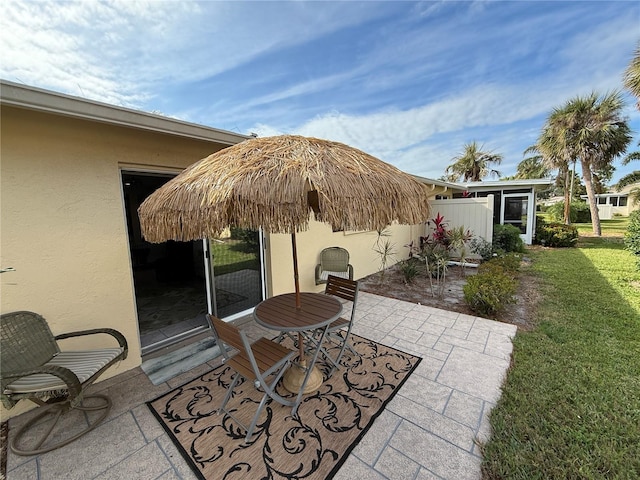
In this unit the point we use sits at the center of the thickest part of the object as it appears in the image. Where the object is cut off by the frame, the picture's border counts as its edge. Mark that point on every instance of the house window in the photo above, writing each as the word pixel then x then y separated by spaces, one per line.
pixel 623 202
pixel 602 200
pixel 614 201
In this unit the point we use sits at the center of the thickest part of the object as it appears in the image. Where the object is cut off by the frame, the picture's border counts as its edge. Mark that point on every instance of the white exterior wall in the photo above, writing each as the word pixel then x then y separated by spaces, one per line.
pixel 605 212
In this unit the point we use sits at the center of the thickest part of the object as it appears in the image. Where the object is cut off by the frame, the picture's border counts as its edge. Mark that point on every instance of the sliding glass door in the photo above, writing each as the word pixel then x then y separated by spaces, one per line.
pixel 177 283
pixel 235 272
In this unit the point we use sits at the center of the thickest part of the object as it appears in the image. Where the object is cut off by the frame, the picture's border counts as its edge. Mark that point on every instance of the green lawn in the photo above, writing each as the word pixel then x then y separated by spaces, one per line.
pixel 233 255
pixel 570 407
pixel 614 227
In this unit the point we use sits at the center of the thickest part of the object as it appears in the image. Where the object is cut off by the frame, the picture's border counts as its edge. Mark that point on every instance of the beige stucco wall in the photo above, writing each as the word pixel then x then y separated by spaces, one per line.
pixel 63 228
pixel 319 236
pixel 62 219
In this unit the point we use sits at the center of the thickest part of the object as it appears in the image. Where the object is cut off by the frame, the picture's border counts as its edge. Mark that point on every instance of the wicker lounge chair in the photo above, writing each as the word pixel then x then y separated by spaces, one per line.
pixel 333 261
pixel 35 368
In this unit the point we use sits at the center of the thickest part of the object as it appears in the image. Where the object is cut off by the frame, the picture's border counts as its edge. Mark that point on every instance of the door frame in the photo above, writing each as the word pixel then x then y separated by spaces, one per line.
pixel 526 237
pixel 211 281
pixel 151 172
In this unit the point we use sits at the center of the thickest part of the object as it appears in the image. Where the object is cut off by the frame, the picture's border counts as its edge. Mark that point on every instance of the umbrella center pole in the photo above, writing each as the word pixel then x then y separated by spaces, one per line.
pixel 296 277
pixel 296 280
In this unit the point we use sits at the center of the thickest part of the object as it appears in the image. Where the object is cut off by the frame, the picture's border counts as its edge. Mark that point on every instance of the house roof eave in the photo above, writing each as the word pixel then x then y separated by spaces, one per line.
pixel 535 183
pixel 36 99
pixel 439 183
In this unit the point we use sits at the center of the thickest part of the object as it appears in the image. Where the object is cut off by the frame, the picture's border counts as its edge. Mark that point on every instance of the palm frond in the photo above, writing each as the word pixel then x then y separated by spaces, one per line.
pixel 629 179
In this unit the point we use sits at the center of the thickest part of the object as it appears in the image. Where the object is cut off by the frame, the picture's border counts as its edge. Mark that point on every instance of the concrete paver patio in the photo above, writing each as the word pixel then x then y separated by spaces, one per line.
pixel 430 430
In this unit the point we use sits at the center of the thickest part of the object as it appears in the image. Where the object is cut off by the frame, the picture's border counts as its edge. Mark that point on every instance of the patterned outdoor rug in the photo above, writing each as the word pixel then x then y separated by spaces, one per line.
pixel 331 421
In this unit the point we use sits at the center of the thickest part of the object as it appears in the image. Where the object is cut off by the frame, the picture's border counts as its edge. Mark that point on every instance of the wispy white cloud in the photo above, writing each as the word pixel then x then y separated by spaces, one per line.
pixel 424 138
pixel 91 49
pixel 408 82
pixel 121 51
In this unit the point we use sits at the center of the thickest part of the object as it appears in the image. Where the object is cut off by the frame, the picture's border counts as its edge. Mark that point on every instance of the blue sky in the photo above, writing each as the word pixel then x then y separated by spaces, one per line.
pixel 409 82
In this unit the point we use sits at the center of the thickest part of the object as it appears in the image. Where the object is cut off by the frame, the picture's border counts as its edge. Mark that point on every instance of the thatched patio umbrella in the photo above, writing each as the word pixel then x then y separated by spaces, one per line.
pixel 275 183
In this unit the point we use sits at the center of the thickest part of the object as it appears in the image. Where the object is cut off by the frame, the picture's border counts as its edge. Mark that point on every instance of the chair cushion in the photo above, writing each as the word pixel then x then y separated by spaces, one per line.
pixel 324 275
pixel 84 364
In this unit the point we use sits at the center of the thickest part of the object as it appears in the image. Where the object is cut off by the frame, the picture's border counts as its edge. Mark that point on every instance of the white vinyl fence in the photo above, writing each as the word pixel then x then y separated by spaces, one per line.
pixel 605 212
pixel 475 214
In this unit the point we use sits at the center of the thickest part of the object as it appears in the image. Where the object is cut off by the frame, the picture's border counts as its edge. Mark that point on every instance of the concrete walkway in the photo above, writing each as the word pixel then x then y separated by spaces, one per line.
pixel 429 430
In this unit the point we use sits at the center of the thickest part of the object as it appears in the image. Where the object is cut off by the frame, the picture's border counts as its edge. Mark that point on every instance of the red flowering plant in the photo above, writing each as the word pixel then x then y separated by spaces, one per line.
pixel 437 248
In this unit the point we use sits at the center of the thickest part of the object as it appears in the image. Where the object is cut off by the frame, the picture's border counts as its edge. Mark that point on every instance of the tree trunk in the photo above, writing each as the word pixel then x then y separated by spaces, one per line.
pixel 573 177
pixel 567 198
pixel 588 183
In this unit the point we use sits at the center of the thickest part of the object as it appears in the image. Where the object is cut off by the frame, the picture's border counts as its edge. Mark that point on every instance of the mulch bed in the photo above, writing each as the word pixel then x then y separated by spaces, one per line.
pixel 392 284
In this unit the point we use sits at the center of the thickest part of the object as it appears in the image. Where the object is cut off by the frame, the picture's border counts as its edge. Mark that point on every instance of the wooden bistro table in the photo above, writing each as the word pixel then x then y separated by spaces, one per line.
pixel 316 311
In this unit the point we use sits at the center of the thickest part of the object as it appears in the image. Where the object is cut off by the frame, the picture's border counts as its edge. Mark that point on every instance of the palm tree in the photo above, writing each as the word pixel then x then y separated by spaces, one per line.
pixel 632 76
pixel 632 82
pixel 473 164
pixel 590 130
pixel 630 179
pixel 532 167
pixel 555 159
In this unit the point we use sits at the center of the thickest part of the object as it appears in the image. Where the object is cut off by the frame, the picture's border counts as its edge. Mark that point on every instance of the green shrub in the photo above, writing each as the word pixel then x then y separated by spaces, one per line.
pixel 490 268
pixel 555 234
pixel 410 269
pixel 579 212
pixel 506 238
pixel 509 262
pixel 251 238
pixel 490 291
pixel 481 247
pixel 632 235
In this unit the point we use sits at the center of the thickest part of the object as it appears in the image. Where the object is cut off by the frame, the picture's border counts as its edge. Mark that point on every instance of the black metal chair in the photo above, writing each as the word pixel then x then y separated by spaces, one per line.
pixel 254 362
pixel 35 368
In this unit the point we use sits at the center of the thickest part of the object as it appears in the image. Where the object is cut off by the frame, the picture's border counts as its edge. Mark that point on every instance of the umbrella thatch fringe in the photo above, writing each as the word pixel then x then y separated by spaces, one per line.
pixel 265 182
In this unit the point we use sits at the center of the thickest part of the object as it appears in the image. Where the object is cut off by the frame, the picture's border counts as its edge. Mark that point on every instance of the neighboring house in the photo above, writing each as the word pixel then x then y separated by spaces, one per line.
pixel 615 203
pixel 73 174
pixel 480 205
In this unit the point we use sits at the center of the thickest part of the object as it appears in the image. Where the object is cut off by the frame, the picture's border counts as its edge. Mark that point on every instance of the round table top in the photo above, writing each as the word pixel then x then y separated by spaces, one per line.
pixel 280 312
